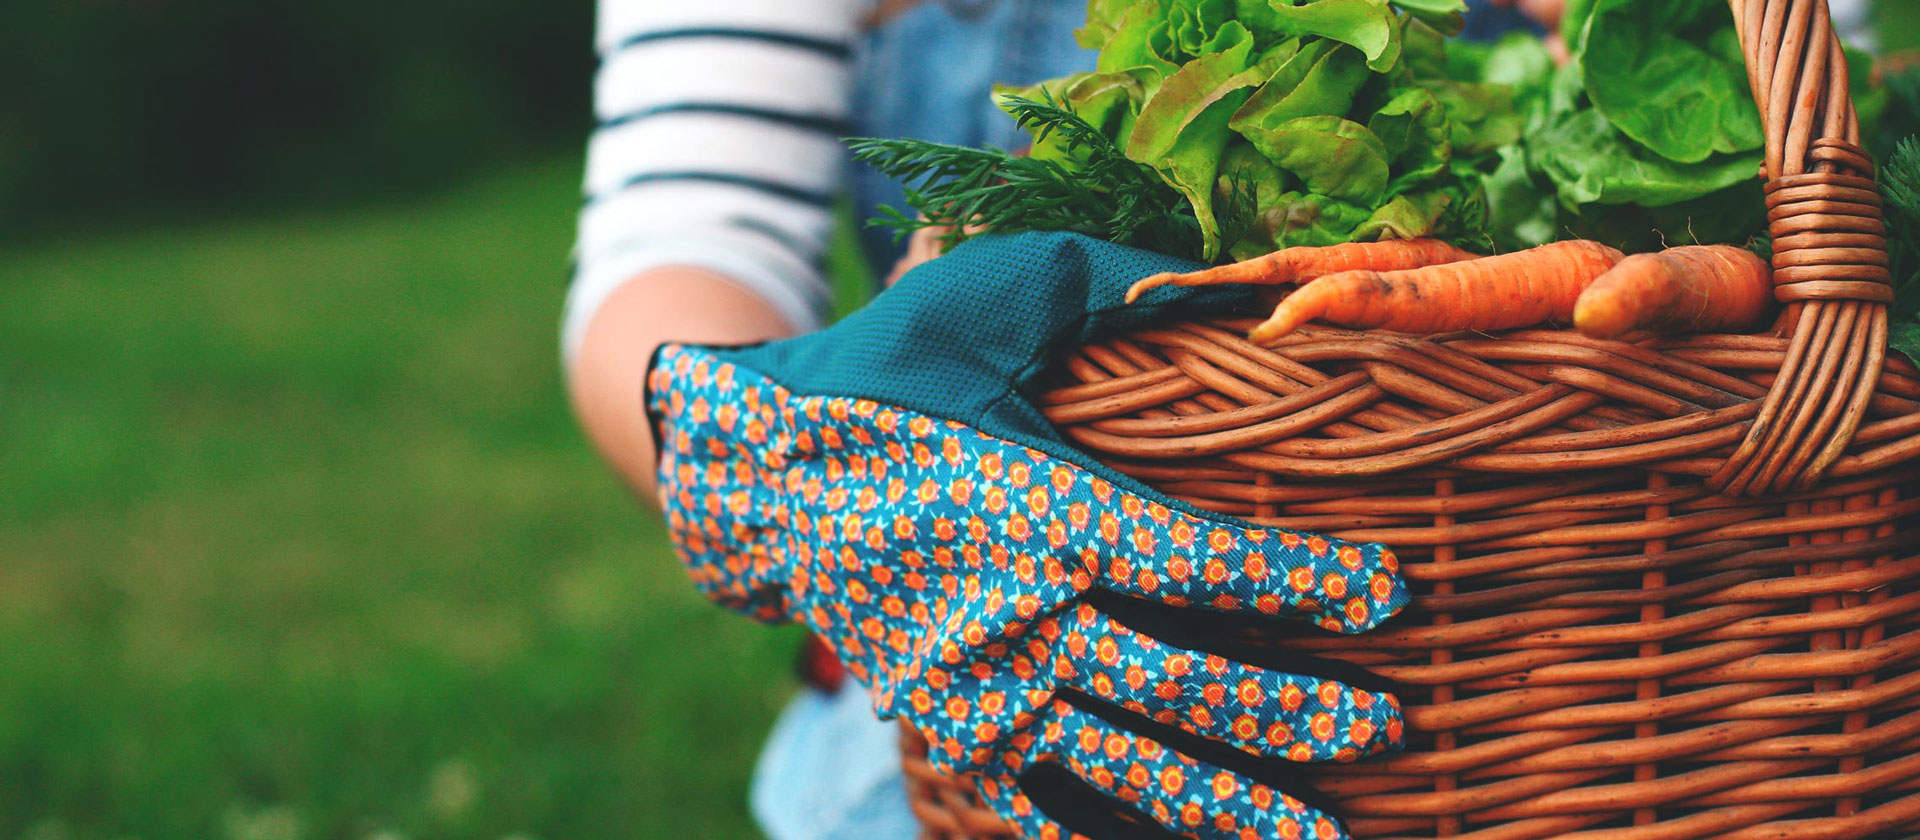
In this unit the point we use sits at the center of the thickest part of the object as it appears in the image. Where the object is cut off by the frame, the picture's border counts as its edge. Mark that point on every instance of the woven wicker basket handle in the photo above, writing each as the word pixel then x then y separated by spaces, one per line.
pixel 1830 250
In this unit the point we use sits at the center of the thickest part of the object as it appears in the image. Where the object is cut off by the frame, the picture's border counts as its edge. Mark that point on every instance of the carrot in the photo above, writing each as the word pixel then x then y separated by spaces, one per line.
pixel 1692 288
pixel 1298 265
pixel 1490 293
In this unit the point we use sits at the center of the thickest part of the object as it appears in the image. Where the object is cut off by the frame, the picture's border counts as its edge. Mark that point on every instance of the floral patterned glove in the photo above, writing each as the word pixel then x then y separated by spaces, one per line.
pixel 994 586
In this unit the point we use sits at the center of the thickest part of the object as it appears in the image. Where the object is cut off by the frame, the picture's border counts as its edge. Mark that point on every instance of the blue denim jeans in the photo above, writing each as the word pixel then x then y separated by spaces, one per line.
pixel 831 771
pixel 929 73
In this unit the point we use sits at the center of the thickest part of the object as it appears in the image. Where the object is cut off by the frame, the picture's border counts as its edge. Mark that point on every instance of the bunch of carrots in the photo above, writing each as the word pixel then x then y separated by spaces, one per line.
pixel 1428 286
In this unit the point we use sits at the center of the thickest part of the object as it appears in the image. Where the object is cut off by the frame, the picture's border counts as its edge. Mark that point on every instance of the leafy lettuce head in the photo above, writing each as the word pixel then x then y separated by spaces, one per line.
pixel 1293 122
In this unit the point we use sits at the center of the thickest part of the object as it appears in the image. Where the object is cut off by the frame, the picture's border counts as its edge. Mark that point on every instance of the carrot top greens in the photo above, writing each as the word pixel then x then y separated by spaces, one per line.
pixel 1107 195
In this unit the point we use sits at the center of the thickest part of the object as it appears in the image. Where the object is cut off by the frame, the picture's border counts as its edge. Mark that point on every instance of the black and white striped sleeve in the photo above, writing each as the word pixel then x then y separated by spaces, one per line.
pixel 717 147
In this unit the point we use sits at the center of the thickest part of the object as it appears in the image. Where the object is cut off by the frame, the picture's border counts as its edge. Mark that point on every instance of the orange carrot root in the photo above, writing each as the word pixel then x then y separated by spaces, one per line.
pixel 1692 288
pixel 1520 289
pixel 1298 265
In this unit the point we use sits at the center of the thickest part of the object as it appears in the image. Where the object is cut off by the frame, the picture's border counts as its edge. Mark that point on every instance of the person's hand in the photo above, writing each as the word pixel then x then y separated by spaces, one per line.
pixel 1048 625
pixel 922 245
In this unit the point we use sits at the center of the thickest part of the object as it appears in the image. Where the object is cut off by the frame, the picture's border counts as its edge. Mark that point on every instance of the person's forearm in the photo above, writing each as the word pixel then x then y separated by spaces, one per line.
pixel 608 374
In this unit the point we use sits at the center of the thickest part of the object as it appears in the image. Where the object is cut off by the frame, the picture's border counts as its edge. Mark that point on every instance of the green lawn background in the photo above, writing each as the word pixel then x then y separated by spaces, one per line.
pixel 298 542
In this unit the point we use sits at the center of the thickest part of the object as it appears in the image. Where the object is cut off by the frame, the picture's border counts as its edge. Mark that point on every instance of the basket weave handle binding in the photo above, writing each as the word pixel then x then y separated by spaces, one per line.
pixel 1829 250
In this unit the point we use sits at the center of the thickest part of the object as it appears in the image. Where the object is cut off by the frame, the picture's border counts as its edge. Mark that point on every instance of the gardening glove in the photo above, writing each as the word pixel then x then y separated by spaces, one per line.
pixel 1031 612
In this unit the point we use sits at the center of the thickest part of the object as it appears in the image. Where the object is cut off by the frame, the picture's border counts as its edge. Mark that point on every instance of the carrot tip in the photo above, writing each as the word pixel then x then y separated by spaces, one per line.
pixel 1149 284
pixel 1594 328
pixel 1601 313
pixel 1268 332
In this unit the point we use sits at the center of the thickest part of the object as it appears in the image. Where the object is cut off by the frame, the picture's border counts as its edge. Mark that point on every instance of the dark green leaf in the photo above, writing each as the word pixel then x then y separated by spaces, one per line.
pixel 1669 74
pixel 1437 7
pixel 1414 128
pixel 1900 181
pixel 1591 162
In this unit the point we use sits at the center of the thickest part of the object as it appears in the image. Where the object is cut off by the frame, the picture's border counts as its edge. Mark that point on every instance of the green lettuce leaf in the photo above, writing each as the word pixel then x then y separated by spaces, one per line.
pixel 1104 18
pixel 1193 26
pixel 1437 7
pixel 1301 218
pixel 1286 122
pixel 1519 61
pixel 1447 17
pixel 1414 128
pixel 1322 78
pixel 1258 16
pixel 1574 19
pixel 1408 216
pixel 1182 129
pixel 1591 162
pixel 1131 42
pixel 1480 117
pixel 1669 74
pixel 1333 157
pixel 1904 336
pixel 1521 211
pixel 1424 53
pixel 1276 55
pixel 1367 25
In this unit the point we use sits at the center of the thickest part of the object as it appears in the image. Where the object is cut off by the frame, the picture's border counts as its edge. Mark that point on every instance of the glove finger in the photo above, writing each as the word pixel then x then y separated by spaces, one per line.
pixel 1254 709
pixel 1186 795
pixel 1154 552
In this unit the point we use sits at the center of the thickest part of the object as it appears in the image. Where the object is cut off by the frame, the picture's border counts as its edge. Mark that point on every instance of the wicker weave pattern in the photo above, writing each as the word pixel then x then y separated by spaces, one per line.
pixel 1599 636
pixel 1667 589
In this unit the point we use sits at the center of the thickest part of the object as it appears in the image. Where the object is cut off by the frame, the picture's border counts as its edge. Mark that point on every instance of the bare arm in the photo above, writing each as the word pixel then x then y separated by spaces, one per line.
pixel 708 185
pixel 608 374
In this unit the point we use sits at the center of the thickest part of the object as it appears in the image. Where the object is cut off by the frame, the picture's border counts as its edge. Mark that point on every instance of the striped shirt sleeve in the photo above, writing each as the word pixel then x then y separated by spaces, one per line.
pixel 717 147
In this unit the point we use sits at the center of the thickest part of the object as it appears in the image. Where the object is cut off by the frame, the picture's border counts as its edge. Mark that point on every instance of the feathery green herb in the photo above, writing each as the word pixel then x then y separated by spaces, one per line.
pixel 1110 196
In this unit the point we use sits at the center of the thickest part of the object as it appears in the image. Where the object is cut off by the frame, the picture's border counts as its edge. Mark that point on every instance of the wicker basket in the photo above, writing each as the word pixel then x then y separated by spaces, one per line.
pixel 1664 589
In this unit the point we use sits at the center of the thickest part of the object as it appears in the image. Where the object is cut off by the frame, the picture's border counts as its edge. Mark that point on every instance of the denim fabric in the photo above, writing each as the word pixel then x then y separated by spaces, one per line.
pixel 831 771
pixel 1486 21
pixel 927 74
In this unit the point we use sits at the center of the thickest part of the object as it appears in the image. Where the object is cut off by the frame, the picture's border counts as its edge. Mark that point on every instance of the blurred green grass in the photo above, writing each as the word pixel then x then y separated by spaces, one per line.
pixel 300 542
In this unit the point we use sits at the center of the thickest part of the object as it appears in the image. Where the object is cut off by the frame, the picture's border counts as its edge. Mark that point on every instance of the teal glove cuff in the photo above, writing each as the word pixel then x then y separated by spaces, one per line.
pixel 964 337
